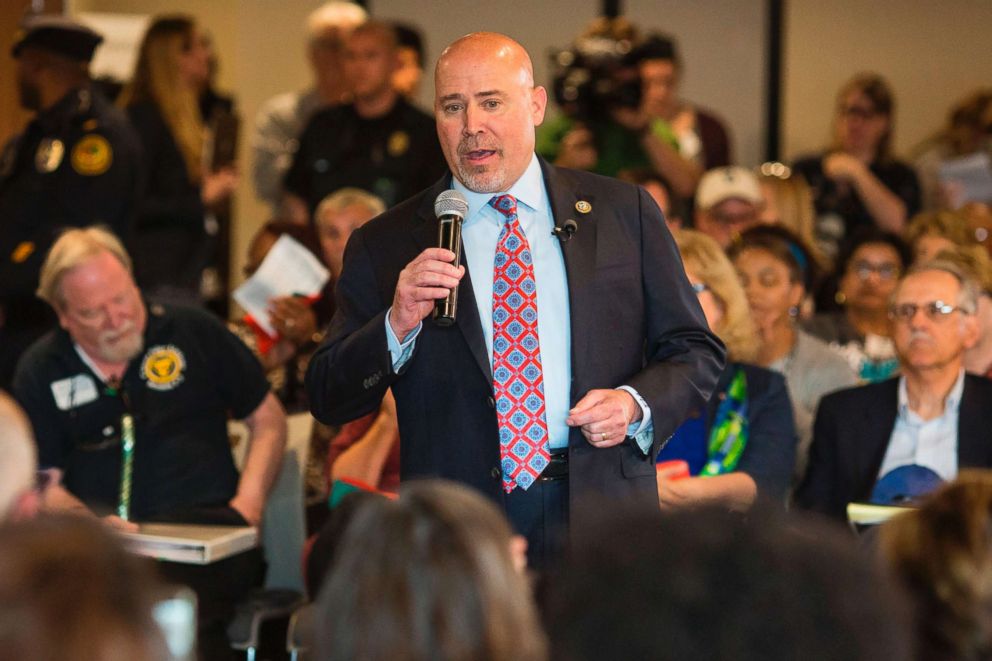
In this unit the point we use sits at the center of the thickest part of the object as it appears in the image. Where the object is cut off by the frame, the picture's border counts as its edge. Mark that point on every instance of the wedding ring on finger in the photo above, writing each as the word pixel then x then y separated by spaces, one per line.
pixel 602 436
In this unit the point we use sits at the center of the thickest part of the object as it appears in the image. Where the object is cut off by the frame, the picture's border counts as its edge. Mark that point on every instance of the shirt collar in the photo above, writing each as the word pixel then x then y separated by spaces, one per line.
pixel 528 189
pixel 951 403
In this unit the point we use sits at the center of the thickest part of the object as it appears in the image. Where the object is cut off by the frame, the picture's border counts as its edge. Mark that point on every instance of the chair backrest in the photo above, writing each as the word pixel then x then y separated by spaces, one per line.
pixel 284 523
pixel 300 633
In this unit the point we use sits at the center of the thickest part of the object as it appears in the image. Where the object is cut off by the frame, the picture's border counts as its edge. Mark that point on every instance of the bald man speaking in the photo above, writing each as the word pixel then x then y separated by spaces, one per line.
pixel 578 345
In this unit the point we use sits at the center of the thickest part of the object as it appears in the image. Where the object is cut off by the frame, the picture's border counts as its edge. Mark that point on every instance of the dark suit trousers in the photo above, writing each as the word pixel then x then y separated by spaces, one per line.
pixel 540 514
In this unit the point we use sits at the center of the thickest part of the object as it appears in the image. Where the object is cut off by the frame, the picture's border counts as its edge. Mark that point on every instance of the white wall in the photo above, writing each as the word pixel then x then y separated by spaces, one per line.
pixel 933 53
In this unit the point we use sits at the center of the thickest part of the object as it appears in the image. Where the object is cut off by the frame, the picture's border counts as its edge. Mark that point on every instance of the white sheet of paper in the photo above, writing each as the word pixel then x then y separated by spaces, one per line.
pixel 972 173
pixel 289 269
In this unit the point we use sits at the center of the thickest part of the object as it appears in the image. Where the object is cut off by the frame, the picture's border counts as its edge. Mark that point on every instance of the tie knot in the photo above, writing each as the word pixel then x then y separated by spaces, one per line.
pixel 506 205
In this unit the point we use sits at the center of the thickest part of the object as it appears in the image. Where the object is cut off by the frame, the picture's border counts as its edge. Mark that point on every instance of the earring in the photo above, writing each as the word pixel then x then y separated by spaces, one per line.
pixel 793 311
pixel 840 298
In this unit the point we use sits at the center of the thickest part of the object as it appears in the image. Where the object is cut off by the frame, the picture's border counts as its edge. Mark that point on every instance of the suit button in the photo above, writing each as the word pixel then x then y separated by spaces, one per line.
pixel 495 474
pixel 491 402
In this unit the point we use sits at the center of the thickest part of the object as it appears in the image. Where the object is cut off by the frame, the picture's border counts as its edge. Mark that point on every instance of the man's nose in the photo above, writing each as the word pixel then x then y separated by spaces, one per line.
pixel 473 121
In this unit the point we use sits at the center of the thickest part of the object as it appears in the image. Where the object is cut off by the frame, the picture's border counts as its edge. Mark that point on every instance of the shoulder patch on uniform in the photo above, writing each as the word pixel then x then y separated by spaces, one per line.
pixel 92 155
pixel 163 367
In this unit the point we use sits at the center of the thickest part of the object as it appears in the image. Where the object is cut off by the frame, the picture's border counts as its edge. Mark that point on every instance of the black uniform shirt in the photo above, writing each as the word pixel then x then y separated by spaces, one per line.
pixel 191 376
pixel 76 164
pixel 394 156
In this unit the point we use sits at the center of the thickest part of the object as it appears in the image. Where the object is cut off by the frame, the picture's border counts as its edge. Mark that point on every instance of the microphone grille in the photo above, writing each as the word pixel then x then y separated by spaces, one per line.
pixel 450 202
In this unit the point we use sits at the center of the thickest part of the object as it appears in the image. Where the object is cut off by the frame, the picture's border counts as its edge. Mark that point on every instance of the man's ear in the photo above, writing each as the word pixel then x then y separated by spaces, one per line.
pixel 970 331
pixel 539 104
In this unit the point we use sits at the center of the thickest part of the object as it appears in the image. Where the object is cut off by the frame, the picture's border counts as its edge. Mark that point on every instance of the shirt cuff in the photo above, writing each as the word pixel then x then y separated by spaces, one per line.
pixel 400 352
pixel 642 431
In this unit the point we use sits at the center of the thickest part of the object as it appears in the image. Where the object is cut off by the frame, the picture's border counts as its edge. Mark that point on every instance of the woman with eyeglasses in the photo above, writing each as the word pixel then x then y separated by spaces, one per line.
pixel 742 446
pixel 857 181
pixel 868 272
pixel 776 270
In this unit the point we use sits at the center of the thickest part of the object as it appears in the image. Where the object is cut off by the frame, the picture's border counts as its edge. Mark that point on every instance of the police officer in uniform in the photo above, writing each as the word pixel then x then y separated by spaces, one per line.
pixel 378 143
pixel 75 164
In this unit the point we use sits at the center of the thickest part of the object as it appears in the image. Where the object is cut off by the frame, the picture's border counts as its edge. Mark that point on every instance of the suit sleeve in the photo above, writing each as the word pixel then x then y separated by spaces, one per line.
pixel 817 491
pixel 352 370
pixel 684 358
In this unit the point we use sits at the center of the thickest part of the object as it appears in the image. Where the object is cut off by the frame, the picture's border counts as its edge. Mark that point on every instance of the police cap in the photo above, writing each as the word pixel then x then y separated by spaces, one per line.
pixel 56 34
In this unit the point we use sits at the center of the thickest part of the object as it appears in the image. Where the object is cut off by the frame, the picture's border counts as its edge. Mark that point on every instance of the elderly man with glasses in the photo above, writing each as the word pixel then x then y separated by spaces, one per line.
pixel 932 417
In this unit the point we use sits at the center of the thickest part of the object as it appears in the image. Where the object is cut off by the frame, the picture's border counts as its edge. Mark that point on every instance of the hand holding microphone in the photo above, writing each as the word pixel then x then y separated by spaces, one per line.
pixel 434 274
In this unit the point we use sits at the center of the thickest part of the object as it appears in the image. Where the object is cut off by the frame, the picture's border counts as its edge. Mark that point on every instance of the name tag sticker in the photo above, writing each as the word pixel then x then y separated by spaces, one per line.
pixel 74 391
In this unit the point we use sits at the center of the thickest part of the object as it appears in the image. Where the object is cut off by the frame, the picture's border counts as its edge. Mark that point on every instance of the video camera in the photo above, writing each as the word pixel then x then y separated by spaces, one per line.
pixel 595 75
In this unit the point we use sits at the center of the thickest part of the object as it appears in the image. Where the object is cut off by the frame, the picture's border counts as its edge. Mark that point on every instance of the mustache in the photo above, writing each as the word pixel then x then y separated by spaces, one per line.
pixel 111 336
pixel 466 145
pixel 917 334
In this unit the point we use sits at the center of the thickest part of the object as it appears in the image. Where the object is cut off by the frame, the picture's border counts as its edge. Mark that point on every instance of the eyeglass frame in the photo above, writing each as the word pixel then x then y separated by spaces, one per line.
pixel 934 311
pixel 863 269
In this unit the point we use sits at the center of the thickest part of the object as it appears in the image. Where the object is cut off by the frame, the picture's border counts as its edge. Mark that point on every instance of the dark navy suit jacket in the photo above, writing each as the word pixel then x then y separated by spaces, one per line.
pixel 634 320
pixel 852 432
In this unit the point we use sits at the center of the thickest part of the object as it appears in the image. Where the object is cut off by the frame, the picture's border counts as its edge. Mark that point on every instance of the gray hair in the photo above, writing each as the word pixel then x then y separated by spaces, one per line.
pixel 73 247
pixel 970 289
pixel 346 197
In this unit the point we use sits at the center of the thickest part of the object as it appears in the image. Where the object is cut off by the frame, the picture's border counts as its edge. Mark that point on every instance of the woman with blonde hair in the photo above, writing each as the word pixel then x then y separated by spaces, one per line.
pixel 942 554
pixel 743 445
pixel 931 232
pixel 789 203
pixel 161 100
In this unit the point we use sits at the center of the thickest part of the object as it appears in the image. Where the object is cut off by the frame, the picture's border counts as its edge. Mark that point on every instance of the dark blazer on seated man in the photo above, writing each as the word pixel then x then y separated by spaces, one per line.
pixel 852 433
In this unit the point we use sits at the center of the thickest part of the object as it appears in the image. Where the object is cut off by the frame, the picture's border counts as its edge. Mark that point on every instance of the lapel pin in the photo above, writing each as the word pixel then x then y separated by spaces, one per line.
pixel 583 207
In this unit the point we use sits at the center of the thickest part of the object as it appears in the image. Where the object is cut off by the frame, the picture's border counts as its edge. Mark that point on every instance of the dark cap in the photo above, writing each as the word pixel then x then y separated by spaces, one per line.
pixel 56 34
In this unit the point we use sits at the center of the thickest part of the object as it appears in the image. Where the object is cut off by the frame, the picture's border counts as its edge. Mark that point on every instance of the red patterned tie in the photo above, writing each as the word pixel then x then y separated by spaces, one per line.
pixel 518 381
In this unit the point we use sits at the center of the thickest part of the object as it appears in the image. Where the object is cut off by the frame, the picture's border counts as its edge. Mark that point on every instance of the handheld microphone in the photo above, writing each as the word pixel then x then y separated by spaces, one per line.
pixel 450 208
pixel 565 232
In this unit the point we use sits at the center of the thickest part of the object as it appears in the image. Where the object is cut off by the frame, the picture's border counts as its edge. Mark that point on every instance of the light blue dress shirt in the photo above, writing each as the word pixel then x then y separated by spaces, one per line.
pixel 930 443
pixel 480 234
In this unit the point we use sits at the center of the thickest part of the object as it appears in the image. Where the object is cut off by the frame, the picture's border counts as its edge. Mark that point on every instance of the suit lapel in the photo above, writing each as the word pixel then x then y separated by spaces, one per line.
pixel 579 254
pixel 880 420
pixel 467 321
pixel 973 450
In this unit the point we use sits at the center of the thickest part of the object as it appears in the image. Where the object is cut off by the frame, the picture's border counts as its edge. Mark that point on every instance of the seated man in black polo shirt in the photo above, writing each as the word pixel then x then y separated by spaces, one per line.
pixel 162 382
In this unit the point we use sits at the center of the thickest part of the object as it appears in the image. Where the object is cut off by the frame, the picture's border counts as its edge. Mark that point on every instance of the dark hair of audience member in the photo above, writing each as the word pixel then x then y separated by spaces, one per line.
pixel 328 540
pixel 428 577
pixel 410 37
pixel 707 584
pixel 69 590
pixel 784 246
pixel 873 235
pixel 942 552
pixel 656 46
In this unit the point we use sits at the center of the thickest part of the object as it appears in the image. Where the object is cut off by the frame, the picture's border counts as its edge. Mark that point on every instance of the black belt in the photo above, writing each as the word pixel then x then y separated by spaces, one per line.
pixel 557 468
